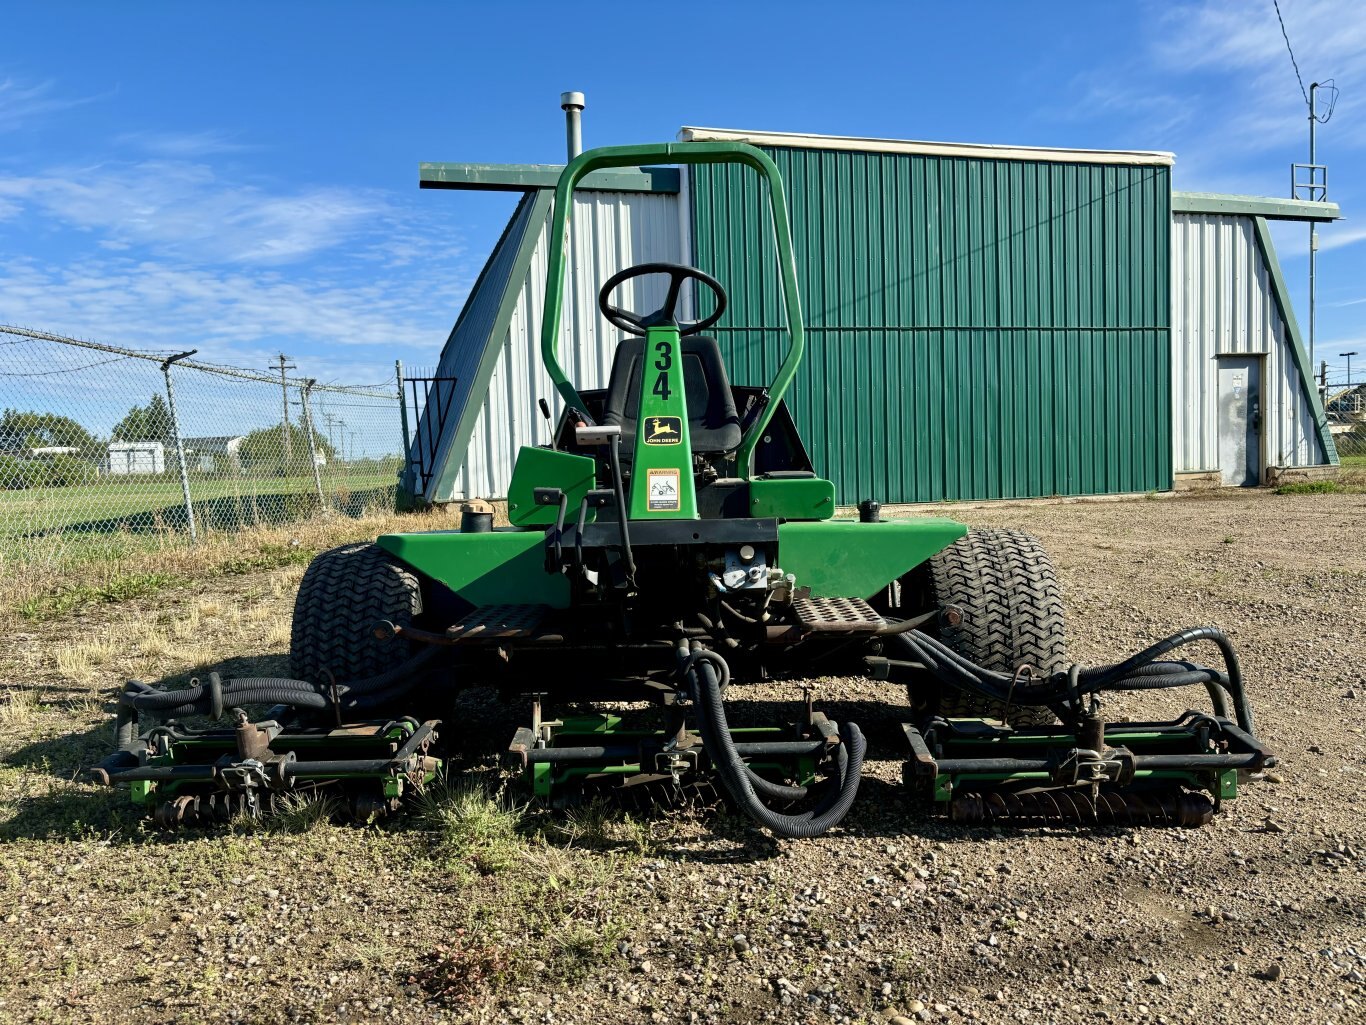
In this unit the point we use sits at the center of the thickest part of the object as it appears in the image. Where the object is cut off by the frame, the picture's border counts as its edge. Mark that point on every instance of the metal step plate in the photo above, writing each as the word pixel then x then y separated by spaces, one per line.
pixel 499 623
pixel 836 615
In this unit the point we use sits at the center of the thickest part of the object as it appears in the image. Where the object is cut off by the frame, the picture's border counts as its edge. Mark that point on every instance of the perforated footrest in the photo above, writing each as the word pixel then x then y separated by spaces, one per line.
pixel 499 622
pixel 836 615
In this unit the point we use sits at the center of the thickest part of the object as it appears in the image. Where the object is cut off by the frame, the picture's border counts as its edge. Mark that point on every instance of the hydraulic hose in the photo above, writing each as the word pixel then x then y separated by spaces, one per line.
pixel 707 669
pixel 1141 671
pixel 213 697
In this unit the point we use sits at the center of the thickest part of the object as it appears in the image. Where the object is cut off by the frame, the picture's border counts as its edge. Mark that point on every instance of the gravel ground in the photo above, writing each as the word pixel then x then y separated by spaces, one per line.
pixel 475 913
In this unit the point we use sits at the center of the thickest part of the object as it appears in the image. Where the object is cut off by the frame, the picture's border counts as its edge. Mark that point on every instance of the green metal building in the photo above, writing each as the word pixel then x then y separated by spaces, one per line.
pixel 1000 316
pixel 983 322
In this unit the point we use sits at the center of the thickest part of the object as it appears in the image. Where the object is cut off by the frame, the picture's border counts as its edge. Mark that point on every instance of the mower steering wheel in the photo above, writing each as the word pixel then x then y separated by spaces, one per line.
pixel 636 323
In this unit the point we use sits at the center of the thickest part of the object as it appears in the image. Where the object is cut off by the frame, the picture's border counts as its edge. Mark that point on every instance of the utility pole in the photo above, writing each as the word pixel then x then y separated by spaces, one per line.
pixel 287 446
pixel 1323 379
pixel 1313 225
pixel 332 420
pixel 1310 181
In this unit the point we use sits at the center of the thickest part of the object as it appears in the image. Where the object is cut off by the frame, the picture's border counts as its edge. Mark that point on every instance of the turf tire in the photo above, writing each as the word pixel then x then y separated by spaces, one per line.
pixel 1004 585
pixel 344 593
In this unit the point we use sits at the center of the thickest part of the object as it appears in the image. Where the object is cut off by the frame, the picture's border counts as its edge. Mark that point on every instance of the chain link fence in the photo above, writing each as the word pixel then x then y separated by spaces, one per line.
pixel 1351 446
pixel 1345 405
pixel 99 441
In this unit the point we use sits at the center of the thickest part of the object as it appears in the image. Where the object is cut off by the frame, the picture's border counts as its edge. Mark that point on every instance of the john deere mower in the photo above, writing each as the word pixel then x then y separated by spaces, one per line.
pixel 672 543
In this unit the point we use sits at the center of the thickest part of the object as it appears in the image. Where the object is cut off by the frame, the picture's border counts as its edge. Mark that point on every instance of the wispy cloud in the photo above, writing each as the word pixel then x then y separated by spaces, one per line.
pixel 22 102
pixel 158 248
pixel 1213 82
pixel 1335 237
pixel 1266 106
pixel 184 145
pixel 238 315
pixel 1097 94
pixel 183 208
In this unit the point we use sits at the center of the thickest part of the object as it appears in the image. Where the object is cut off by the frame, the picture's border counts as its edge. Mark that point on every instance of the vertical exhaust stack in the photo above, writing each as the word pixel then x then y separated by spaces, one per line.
pixel 572 104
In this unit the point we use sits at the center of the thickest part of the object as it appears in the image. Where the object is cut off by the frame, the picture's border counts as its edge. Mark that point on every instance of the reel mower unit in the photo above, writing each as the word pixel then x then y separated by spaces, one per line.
pixel 672 543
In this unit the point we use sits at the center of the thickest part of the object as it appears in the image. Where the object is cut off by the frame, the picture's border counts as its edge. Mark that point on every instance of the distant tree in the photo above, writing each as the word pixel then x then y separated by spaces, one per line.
pixel 21 431
pixel 264 449
pixel 151 422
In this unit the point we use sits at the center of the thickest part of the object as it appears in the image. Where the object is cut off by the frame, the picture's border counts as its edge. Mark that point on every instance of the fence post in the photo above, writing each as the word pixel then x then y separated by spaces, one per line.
pixel 304 389
pixel 405 469
pixel 179 444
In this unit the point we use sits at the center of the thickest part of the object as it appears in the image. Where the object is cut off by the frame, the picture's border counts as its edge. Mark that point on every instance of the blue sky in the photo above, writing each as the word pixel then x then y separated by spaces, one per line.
pixel 244 179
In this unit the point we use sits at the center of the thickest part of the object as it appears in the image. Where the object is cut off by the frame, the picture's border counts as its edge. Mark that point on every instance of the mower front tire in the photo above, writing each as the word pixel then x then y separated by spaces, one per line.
pixel 344 594
pixel 1008 604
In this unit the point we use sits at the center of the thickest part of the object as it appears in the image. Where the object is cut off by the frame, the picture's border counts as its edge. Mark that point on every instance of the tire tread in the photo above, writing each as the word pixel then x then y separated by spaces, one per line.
pixel 1006 588
pixel 344 592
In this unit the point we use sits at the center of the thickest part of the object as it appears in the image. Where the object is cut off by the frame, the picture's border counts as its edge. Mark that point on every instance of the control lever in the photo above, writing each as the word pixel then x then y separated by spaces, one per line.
pixel 554 496
pixel 610 435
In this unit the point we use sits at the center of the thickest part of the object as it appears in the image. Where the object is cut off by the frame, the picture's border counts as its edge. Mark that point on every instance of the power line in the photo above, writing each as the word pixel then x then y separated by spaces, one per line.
pixel 1294 63
pixel 1328 84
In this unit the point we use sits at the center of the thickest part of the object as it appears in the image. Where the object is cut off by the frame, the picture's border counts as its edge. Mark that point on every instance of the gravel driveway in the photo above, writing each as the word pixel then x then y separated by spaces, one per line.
pixel 700 918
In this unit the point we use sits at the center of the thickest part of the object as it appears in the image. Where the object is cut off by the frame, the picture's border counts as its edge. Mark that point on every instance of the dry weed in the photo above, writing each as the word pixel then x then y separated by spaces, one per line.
pixel 83 660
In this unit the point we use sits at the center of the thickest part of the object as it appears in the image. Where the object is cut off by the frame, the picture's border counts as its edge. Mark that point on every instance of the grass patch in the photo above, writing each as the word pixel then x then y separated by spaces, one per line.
pixel 1311 487
pixel 476 825
pixel 123 587
pixel 598 825
pixel 304 811
pixel 124 567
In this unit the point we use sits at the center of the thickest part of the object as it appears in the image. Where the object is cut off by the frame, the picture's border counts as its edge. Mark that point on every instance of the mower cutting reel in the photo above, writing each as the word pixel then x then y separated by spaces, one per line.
pixel 672 543
pixel 190 775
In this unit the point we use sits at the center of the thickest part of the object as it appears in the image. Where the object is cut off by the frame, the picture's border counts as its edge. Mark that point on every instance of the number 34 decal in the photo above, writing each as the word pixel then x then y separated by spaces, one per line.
pixel 662 364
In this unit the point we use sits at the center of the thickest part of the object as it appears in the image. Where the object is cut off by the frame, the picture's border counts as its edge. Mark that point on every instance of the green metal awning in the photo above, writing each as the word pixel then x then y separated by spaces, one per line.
pixel 524 177
pixel 1254 206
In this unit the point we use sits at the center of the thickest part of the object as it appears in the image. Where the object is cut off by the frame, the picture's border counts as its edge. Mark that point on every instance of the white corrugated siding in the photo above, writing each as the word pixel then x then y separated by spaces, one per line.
pixel 609 231
pixel 1222 303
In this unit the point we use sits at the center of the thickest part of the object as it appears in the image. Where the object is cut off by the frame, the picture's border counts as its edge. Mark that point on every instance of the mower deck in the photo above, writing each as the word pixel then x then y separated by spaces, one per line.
pixel 1127 773
pixel 201 775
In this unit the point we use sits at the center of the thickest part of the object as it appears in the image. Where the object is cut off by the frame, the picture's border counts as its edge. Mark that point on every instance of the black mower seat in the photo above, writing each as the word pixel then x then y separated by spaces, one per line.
pixel 712 421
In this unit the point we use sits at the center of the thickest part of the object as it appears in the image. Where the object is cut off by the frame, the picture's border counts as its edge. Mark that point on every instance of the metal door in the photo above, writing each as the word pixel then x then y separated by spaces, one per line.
pixel 1240 420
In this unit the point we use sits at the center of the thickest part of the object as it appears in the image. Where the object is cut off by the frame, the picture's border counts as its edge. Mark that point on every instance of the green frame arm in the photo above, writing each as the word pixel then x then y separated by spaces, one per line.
pixel 675 153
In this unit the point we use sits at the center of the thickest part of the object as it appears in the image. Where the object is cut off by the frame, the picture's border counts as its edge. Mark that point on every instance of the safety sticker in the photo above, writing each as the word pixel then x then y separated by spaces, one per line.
pixel 663 430
pixel 663 493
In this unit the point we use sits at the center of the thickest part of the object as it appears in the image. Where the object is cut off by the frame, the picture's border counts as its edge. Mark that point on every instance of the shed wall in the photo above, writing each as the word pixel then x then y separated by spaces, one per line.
pixel 978 328
pixel 1222 303
pixel 609 231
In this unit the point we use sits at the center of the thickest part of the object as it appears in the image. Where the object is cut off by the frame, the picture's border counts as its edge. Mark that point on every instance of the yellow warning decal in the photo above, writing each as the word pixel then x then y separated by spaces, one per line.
pixel 663 495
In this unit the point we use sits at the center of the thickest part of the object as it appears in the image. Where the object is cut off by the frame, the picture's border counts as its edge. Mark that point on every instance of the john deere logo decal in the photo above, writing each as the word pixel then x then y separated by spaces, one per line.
pixel 663 430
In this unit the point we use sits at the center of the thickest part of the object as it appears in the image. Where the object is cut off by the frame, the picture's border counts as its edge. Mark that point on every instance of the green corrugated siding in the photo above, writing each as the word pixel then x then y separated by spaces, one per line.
pixel 977 328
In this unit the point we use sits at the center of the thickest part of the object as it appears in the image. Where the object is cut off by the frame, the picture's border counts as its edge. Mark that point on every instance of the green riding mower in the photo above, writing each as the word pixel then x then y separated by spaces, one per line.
pixel 670 544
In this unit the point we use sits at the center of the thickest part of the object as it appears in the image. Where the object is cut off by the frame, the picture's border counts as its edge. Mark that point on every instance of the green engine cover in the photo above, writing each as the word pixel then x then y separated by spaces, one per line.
pixel 505 566
pixel 849 559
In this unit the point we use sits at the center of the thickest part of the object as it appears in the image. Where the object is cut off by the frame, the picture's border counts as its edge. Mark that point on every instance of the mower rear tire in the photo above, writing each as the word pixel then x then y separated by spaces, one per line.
pixel 1009 609
pixel 345 592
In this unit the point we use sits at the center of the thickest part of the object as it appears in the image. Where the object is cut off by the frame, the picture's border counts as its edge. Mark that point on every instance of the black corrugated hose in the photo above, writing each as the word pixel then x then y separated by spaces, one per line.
pixel 1142 671
pixel 212 698
pixel 708 672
